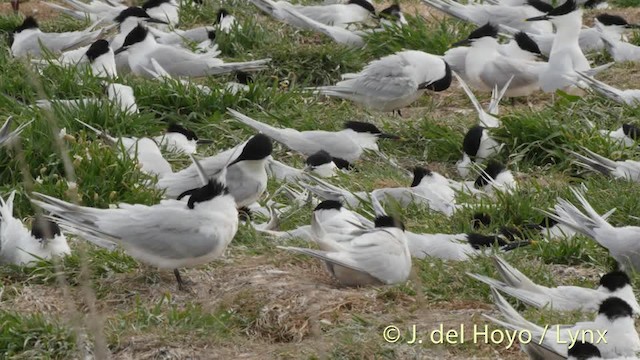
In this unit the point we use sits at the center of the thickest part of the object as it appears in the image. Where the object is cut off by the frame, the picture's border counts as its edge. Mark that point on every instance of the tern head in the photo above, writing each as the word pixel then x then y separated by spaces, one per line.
pixel 472 140
pixel 364 4
pixel 614 308
pixel 480 219
pixel 28 23
pixel 321 163
pixel 526 43
pixel 491 172
pixel 615 21
pixel 342 164
pixel 97 49
pixel 244 78
pixel 258 148
pixel 631 131
pixel 558 13
pixel 136 36
pixel 150 4
pixel 212 190
pixel 583 351
pixel 329 205
pixel 388 222
pixel 547 223
pixel 487 30
pixel 220 15
pixel 393 13
pixel 418 174
pixel 179 129
pixel 614 281
pixel 44 229
pixel 540 5
pixel 136 13
pixel 369 129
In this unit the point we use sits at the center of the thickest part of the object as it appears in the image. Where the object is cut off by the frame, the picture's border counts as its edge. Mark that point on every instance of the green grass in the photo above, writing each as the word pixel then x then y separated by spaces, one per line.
pixel 259 296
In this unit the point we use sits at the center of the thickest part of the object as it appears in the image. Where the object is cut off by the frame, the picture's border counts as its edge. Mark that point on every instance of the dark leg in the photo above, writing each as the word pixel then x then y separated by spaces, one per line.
pixel 244 214
pixel 15 5
pixel 181 284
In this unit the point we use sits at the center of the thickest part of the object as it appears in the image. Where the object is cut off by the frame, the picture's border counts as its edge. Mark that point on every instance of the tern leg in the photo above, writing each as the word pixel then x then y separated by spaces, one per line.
pixel 181 283
pixel 15 5
pixel 244 213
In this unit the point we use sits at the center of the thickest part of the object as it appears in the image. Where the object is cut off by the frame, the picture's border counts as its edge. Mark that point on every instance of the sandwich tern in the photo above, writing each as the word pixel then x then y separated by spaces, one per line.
pixel 170 235
pixel 141 48
pixel 560 298
pixel 477 146
pixel 625 170
pixel 376 257
pixel 614 317
pixel 20 246
pixel 144 150
pixel 620 241
pixel 246 175
pixel 511 16
pixel 394 81
pixel 27 39
pixel 629 97
pixel 348 144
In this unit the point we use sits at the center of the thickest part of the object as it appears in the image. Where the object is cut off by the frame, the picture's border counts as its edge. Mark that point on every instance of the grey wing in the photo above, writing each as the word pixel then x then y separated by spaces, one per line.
pixel 336 144
pixel 384 78
pixel 187 179
pixel 499 72
pixel 291 138
pixel 456 58
pixel 379 254
pixel 167 232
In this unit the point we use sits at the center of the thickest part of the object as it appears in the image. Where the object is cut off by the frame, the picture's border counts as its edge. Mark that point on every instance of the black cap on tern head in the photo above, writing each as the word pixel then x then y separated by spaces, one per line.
pixel 583 351
pixel 540 5
pixel 342 164
pixel 615 280
pixel 177 128
pixel 526 43
pixel 608 19
pixel 391 12
pixel 631 131
pixel 547 222
pixel 568 7
pixel 44 229
pixel 205 193
pixel 388 221
pixel 257 148
pixel 244 77
pixel 441 84
pixel 221 13
pixel 471 141
pixel 490 173
pixel 481 218
pixel 98 48
pixel 614 308
pixel 364 4
pixel 364 127
pixel 329 205
pixel 132 11
pixel 418 174
pixel 486 30
pixel 320 158
pixel 28 23
pixel 138 34
pixel 153 3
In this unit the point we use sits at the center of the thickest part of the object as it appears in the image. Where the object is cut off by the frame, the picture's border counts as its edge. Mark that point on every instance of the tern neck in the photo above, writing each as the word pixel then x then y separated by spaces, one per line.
pixel 568 29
